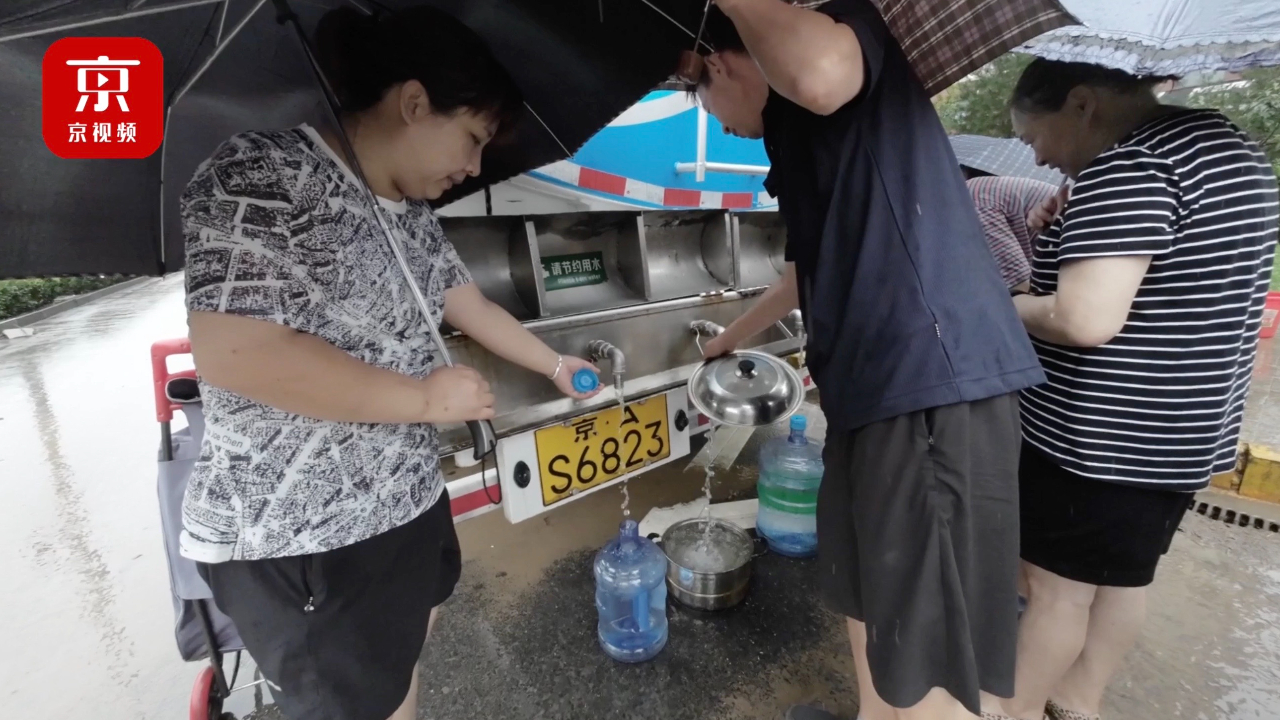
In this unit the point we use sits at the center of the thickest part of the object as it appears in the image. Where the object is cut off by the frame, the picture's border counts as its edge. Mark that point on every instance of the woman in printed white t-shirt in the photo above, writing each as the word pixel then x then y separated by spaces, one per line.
pixel 317 511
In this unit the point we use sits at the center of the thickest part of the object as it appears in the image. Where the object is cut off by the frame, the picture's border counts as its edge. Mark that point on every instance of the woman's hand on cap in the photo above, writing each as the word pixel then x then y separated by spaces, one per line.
pixel 564 380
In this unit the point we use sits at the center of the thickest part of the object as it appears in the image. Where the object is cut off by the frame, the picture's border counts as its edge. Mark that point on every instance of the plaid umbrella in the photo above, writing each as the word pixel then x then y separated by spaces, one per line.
pixel 1167 37
pixel 948 39
pixel 1001 156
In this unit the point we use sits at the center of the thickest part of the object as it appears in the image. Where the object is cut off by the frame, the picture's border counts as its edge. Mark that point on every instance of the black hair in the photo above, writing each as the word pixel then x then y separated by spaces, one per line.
pixel 1045 84
pixel 365 55
pixel 721 34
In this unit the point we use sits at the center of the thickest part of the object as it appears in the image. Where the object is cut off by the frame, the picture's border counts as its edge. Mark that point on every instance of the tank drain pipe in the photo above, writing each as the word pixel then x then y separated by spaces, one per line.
pixel 598 350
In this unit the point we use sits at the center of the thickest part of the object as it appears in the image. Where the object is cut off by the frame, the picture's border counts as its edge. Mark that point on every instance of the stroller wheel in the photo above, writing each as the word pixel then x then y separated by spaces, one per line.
pixel 205 704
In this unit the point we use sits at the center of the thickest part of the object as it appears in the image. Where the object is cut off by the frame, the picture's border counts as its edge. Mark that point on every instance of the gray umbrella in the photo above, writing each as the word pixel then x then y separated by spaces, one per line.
pixel 1167 37
pixel 1001 156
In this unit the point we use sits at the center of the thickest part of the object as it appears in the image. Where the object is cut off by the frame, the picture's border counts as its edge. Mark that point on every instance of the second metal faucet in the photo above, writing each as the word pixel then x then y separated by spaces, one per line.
pixel 797 321
pixel 598 350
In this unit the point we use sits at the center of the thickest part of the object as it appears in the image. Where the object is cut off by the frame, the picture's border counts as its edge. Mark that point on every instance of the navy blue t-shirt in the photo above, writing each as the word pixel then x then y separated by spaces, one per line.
pixel 903 302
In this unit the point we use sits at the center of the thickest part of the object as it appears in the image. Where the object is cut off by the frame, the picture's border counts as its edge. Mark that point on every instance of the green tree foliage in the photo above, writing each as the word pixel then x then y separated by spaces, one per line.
pixel 1255 107
pixel 22 296
pixel 979 104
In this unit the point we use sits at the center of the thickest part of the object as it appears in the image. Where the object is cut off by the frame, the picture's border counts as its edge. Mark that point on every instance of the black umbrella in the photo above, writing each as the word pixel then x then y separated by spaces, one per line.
pixel 568 101
pixel 231 66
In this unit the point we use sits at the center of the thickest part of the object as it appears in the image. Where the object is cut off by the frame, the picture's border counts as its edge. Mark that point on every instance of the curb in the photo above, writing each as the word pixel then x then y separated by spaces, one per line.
pixel 70 303
pixel 1256 477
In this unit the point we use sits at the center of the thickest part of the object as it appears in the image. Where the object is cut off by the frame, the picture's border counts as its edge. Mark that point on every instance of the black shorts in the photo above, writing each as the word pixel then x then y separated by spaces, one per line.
pixel 918 538
pixel 1091 531
pixel 337 633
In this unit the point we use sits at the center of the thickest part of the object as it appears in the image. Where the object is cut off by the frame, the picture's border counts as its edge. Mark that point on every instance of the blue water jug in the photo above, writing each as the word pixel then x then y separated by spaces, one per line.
pixel 631 596
pixel 790 473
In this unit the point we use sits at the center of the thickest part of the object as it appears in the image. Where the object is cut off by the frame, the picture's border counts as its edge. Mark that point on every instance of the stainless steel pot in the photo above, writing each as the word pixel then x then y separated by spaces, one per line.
pixel 708 590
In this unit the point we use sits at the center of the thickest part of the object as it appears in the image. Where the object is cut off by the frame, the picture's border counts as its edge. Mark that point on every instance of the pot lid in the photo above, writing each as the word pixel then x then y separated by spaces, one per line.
pixel 746 388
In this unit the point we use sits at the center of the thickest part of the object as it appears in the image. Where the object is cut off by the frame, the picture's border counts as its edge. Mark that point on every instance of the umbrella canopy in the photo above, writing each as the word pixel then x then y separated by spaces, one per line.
pixel 1167 37
pixel 230 67
pixel 1002 156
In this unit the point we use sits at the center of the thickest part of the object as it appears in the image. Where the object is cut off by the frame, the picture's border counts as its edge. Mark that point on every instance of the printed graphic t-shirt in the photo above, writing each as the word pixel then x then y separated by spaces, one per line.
pixel 277 229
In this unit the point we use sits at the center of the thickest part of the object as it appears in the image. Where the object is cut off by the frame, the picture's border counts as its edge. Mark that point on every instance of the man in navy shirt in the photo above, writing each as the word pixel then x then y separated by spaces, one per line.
pixel 914 344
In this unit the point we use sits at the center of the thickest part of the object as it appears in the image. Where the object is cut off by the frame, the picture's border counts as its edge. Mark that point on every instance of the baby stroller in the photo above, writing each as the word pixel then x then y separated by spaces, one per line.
pixel 201 630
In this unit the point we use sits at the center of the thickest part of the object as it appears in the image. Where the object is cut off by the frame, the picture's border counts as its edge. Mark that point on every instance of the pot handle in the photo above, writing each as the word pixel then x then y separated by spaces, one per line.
pixel 759 540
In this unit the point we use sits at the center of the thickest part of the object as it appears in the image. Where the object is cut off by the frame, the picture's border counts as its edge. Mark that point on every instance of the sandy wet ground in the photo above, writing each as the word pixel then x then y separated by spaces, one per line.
pixel 87 618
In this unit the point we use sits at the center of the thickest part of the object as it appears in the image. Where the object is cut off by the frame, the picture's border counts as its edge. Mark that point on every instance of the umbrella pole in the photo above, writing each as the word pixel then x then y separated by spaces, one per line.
pixel 483 438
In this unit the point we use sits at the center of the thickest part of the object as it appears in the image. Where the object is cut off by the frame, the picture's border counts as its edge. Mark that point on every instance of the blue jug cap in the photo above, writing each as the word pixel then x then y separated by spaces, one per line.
pixel 584 381
pixel 798 422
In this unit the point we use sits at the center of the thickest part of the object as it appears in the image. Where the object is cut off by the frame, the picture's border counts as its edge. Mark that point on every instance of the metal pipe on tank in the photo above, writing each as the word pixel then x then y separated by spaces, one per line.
pixel 701 164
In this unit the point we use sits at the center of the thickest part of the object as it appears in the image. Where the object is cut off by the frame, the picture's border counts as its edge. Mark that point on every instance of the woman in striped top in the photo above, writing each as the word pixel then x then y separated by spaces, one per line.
pixel 1145 304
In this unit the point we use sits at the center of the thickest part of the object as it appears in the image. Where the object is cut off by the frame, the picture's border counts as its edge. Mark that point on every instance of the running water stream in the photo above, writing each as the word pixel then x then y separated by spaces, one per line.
pixel 704 543
pixel 622 416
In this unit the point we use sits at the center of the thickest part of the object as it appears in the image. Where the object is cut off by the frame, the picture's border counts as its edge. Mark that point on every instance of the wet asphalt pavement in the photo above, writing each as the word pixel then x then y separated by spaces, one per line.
pixel 86 612
pixel 87 620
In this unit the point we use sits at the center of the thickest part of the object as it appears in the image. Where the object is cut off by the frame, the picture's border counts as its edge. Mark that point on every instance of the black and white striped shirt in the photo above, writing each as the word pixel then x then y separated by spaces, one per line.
pixel 1161 403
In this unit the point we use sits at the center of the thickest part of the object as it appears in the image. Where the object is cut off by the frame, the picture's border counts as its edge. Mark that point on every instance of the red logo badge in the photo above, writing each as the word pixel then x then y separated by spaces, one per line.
pixel 103 98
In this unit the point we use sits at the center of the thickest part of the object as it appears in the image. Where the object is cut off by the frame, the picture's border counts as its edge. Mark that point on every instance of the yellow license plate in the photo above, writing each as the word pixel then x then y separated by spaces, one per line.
pixel 594 449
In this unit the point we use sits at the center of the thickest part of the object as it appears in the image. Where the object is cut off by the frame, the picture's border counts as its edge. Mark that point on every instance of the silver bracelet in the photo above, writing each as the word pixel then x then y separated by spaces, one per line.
pixel 559 364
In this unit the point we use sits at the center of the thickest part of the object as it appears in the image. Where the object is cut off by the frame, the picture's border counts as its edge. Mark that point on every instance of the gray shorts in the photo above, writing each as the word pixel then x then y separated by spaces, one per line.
pixel 918 538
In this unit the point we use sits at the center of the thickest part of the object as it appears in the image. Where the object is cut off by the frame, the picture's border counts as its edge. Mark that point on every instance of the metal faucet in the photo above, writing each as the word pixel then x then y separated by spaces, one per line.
pixel 797 321
pixel 598 350
pixel 798 359
pixel 706 327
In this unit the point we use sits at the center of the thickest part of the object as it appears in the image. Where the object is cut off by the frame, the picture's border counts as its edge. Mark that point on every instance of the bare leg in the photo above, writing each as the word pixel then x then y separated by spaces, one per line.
pixel 1114 623
pixel 431 620
pixel 408 709
pixel 1050 638
pixel 870 706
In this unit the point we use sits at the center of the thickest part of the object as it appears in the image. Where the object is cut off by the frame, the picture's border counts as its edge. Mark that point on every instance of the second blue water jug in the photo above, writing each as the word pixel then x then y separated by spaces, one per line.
pixel 790 473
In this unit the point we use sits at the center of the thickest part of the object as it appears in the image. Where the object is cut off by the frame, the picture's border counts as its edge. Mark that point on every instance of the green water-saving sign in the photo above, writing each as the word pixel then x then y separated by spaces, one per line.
pixel 568 271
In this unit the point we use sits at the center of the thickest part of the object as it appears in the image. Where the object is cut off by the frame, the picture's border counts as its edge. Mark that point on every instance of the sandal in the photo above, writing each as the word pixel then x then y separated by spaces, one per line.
pixel 1054 711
